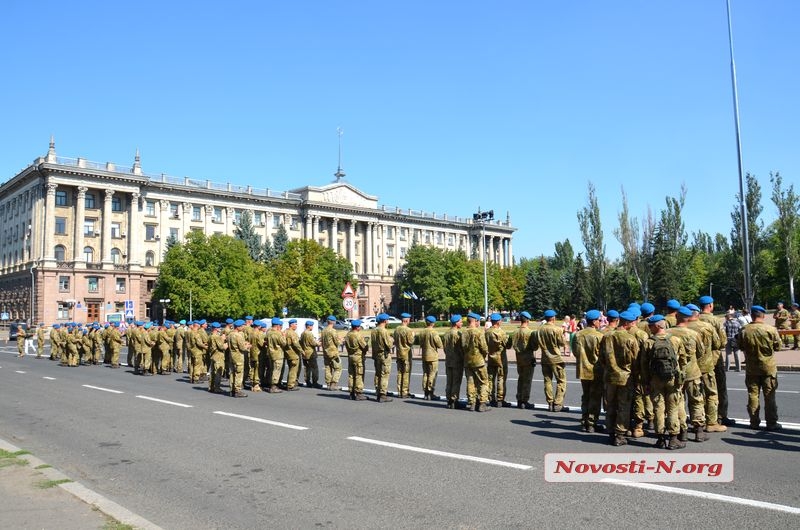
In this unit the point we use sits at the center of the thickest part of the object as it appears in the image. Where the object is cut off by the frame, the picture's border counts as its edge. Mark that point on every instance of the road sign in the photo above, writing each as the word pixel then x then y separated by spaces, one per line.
pixel 348 291
pixel 129 305
pixel 348 303
pixel 4 316
pixel 129 313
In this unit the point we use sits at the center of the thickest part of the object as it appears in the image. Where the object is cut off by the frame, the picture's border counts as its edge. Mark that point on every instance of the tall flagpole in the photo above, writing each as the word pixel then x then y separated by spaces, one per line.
pixel 748 288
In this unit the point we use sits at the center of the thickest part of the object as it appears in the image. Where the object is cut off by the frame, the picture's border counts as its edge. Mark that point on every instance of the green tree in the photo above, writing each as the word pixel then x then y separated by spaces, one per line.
pixel 280 242
pixel 637 246
pixel 425 273
pixel 787 229
pixel 245 232
pixel 580 299
pixel 756 238
pixel 670 255
pixel 538 288
pixel 592 237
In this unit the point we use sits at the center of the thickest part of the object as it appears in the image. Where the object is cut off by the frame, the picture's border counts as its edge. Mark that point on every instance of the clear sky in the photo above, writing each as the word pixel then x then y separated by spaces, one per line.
pixel 446 106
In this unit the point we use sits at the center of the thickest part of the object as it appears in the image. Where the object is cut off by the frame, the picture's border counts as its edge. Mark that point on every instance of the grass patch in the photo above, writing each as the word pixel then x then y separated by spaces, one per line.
pixel 8 458
pixel 113 524
pixel 45 484
pixel 43 466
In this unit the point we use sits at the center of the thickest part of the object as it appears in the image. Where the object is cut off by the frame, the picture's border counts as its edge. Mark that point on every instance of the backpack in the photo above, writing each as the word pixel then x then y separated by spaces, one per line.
pixel 663 360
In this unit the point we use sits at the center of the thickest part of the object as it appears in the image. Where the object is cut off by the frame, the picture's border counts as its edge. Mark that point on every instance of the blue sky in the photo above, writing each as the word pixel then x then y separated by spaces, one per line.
pixel 446 106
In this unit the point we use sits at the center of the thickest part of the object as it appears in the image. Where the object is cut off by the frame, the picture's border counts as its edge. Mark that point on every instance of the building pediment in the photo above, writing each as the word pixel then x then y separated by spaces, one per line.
pixel 338 193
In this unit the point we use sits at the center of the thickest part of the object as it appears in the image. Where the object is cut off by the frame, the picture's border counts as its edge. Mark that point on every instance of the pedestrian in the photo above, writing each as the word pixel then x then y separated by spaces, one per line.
pixel 589 370
pixel 381 342
pixel 430 343
pixel 759 343
pixel 403 345
pixel 732 329
pixel 330 354
pixel 551 341
pixel 525 344
pixel 356 347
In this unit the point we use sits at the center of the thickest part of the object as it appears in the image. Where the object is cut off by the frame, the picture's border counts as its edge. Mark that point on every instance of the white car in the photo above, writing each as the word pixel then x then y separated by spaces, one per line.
pixel 371 322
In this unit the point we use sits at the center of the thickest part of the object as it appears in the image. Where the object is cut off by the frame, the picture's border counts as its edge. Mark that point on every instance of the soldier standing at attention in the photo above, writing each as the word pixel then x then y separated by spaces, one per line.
pixel 238 345
pixel 294 351
pixel 781 317
pixel 217 345
pixel 430 343
pixel 641 407
pixel 590 372
pixel 497 341
pixel 613 321
pixel 255 355
pixel 132 341
pixel 381 342
pixel 453 360
pixel 403 343
pixel 356 347
pixel 551 341
pixel 692 387
pixel 199 348
pixel 525 343
pixel 40 333
pixel 759 343
pixel 330 354
pixel 794 321
pixel 146 351
pixel 114 344
pixel 309 345
pixel 671 314
pixel 55 339
pixel 275 342
pixel 706 361
pixel 719 341
pixel 473 343
pixel 619 351
pixel 20 341
pixel 178 345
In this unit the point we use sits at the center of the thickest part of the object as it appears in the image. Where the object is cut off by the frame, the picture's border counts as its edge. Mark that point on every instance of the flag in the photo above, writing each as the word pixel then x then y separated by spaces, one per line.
pixel 414 295
pixel 406 295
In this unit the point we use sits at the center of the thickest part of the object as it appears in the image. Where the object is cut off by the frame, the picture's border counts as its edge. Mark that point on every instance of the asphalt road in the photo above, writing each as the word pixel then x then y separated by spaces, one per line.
pixel 315 459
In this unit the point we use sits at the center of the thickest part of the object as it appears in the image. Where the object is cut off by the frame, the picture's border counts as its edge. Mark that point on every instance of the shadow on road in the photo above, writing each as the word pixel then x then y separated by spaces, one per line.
pixel 764 440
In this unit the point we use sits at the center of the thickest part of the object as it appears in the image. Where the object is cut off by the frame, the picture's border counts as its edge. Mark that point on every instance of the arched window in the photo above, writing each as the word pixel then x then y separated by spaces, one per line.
pixel 88 253
pixel 115 255
pixel 149 259
pixel 60 253
pixel 358 268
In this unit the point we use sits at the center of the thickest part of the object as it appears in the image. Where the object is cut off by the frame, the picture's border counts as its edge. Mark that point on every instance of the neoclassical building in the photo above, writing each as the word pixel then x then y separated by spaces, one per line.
pixel 81 238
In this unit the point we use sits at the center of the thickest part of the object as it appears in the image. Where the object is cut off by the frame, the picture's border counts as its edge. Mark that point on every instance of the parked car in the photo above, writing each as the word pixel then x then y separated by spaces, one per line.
pixel 13 327
pixel 342 325
pixel 368 322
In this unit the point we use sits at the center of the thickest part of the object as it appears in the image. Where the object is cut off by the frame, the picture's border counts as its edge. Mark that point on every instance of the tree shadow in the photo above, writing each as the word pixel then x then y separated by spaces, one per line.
pixel 423 403
pixel 763 440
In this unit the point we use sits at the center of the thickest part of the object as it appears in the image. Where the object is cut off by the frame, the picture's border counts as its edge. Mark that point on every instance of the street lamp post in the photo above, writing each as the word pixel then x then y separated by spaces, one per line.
pixel 482 218
pixel 164 302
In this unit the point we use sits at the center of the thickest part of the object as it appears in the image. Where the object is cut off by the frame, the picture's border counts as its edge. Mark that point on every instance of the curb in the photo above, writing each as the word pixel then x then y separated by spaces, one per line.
pixel 90 497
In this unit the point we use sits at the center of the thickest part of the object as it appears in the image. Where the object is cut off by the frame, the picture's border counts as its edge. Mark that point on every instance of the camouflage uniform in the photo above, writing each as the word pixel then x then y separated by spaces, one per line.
pixel 309 345
pixel 551 341
pixel 356 347
pixel 758 342
pixel 403 344
pixel 497 360
pixel 453 364
pixel 330 357
pixel 665 395
pixel 590 373
pixel 619 352
pixel 381 343
pixel 473 343
pixel 430 342
pixel 525 344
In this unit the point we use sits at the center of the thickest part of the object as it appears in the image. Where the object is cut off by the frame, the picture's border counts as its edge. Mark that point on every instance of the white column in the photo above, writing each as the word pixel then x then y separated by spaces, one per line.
pixel 308 234
pixel 185 219
pixel 383 249
pixel 351 243
pixel 209 211
pixel 510 253
pixel 80 214
pixel 107 226
pixel 163 233
pixel 134 229
pixel 315 228
pixel 49 221
pixel 369 248
pixel 334 234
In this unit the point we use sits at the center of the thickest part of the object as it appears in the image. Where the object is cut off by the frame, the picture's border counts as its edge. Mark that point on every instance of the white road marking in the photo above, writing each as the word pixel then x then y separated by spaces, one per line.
pixel 104 389
pixel 777 391
pixel 165 402
pixel 705 495
pixel 19 371
pixel 262 420
pixel 49 378
pixel 440 453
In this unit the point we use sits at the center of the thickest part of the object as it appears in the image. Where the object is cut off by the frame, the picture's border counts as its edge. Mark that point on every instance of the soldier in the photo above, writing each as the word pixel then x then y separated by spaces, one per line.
pixel 642 408
pixel 781 317
pixel 167 347
pixel 613 321
pixel 662 374
pixel 356 347
pixel 473 343
pixel 97 345
pixel 238 345
pixel 719 340
pixel 525 344
pixel 179 347
pixel 589 370
pixel 217 344
pixel 381 342
pixel 198 348
pixel 794 320
pixel 430 342
pixel 275 342
pixel 132 340
pixel 672 312
pixel 692 387
pixel 148 340
pixel 21 340
pixel 330 354
pixel 106 345
pixel 551 341
pixel 41 331
pixel 706 361
pixel 294 351
pixel 255 357
pixel 759 343
pixel 309 345
pixel 619 351
pixel 403 344
pixel 114 344
pixel 71 344
pixel 248 336
pixel 453 360
pixel 497 360
pixel 55 343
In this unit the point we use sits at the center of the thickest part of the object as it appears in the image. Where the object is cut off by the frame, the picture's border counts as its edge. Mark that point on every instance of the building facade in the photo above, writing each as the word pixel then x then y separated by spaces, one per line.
pixel 80 239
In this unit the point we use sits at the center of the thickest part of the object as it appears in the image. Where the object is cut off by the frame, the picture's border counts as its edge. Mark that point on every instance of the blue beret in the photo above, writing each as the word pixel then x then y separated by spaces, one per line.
pixel 613 313
pixel 455 319
pixel 525 314
pixel 781 302
pixel 634 304
pixel 405 315
pixel 276 321
pixel 647 308
pixel 355 323
pixel 673 304
pixel 795 304
pixel 474 316
pixel 331 318
pixel 549 313
pixel 104 325
pixel 635 311
pixel 238 322
pixel 309 322
pixel 430 318
pixel 495 317
pixel 705 300
pixel 758 309
pixel 381 317
pixel 292 321
pixel 115 324
pixel 56 326
pixel 655 318
pixel 182 322
pixel 216 325
pixel 685 311
pixel 693 307
pixel 627 315
pixel 229 321
pixel 592 314
pixel 249 317
pixel 148 325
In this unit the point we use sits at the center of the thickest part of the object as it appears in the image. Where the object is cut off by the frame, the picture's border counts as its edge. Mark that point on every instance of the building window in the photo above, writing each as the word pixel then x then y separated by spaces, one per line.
pixel 120 285
pixel 63 312
pixel 88 201
pixel 196 213
pixel 173 234
pixel 173 210
pixel 402 252
pixel 403 234
pixel 150 208
pixel 149 232
pixel 257 219
pixel 63 284
pixel 389 251
pixel 88 227
pixel 217 215
pixel 61 226
pixel 439 238
pixel 151 284
pixel 116 203
pixel 451 240
pixel 92 284
pixel 88 253
pixel 60 253
pixel 115 230
pixel 390 232
pixel 295 224
pixel 61 198
pixel 427 238
pixel 276 220
pixel 237 216
pixel 149 259
pixel 115 256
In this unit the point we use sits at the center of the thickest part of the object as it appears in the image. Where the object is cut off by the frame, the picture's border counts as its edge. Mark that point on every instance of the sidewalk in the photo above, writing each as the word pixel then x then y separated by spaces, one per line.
pixel 37 496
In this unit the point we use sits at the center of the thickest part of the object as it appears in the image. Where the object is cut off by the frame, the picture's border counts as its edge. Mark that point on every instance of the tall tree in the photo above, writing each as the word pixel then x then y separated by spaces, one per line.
pixel 637 246
pixel 280 241
pixel 539 289
pixel 670 255
pixel 579 299
pixel 787 228
pixel 245 232
pixel 592 236
pixel 756 238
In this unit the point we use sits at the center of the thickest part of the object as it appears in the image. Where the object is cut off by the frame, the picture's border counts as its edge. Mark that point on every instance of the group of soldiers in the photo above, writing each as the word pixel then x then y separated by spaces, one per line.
pixel 75 344
pixel 788 319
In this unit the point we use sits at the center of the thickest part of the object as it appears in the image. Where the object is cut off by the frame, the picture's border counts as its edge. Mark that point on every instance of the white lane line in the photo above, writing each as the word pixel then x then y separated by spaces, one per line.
pixel 705 495
pixel 262 420
pixel 20 371
pixel 49 378
pixel 104 389
pixel 165 402
pixel 440 453
pixel 777 391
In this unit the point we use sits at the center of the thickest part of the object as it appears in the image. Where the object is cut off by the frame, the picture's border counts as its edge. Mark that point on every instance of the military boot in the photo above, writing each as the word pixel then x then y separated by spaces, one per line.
pixel 699 434
pixel 716 428
pixel 637 431
pixel 683 435
pixel 675 443
pixel 383 398
pixel 482 407
pixel 255 388
pixel 274 389
pixel 360 397
pixel 619 440
pixel 661 443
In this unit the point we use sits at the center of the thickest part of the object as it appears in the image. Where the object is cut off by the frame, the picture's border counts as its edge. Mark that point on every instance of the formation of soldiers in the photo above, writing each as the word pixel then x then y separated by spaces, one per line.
pixel 644 369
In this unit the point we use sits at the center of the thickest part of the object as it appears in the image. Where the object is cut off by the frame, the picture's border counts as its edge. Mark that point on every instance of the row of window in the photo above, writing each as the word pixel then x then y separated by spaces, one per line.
pixel 60 254
pixel 90 201
pixel 92 284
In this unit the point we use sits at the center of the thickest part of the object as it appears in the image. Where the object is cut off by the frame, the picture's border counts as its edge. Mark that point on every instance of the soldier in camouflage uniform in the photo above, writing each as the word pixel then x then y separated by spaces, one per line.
pixel 551 341
pixel 718 342
pixel 309 345
pixel 525 344
pixel 692 387
pixel 497 360
pixel 381 342
pixel 453 361
pixel 275 343
pixel 706 361
pixel 114 344
pixel 781 316
pixel 429 342
pixel 473 343
pixel 356 347
pixel 330 354
pixel 403 345
pixel 217 344
pixel 759 342
pixel 794 322
pixel 238 345
pixel 294 352
pixel 619 351
pixel 41 331
pixel 590 371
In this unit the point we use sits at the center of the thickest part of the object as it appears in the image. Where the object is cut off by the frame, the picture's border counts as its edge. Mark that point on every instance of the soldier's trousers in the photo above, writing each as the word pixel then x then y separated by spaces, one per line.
pixel 333 370
pixel 293 362
pixel 114 358
pixel 525 369
pixel 311 369
pixel 166 361
pixel 477 385
pixel 275 368
pixel 666 401
pixel 382 369
pixel 177 360
pixel 264 368
pixel 237 374
pixel 132 356
pixel 618 415
pixel 145 360
pixel 590 401
pixel 403 374
pixel 498 372
pixel 255 370
pixel 709 383
pixel 642 406
pixel 559 372
pixel 455 374
pixel 767 384
pixel 720 372
pixel 429 371
pixel 72 355
pixel 355 373
pixel 107 358
pixel 40 348
pixel 696 402
pixel 198 367
pixel 98 354
pixel 215 372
